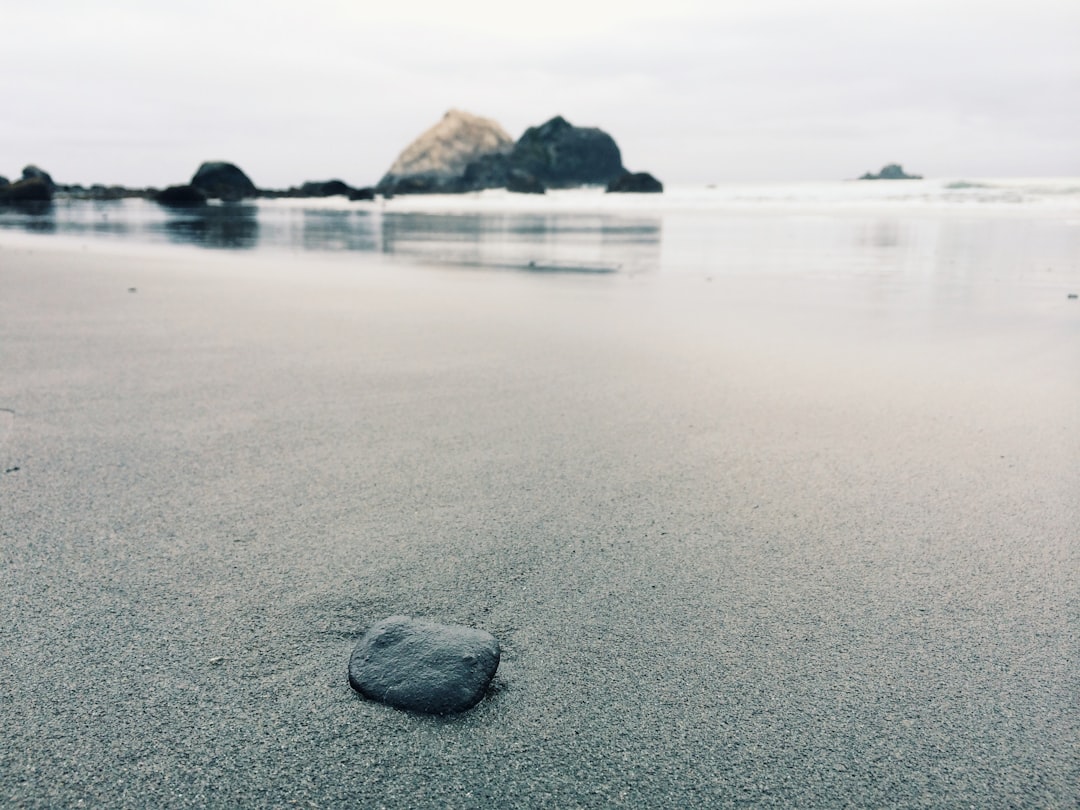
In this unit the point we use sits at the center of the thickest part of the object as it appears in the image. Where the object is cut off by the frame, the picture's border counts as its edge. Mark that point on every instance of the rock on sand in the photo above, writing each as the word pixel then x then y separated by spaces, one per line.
pixel 423 666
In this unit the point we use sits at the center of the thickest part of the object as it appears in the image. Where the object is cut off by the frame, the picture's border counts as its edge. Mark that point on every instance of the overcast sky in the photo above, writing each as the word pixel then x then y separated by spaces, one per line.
pixel 140 93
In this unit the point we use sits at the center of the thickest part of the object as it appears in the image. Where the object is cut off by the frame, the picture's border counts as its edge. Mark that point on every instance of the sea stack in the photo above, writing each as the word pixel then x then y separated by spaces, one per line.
pixel 894 171
pixel 561 155
pixel 436 161
pixel 224 181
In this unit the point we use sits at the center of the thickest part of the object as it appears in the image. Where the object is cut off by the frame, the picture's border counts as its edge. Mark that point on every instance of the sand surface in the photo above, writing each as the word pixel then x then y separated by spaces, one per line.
pixel 745 542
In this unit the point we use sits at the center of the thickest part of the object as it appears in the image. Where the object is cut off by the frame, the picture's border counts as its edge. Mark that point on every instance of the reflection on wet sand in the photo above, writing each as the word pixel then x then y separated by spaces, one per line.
pixel 35 216
pixel 323 229
pixel 584 243
pixel 532 242
pixel 233 227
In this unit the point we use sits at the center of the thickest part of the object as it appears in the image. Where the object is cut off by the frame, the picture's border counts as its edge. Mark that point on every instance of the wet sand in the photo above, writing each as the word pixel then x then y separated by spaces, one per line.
pixel 772 542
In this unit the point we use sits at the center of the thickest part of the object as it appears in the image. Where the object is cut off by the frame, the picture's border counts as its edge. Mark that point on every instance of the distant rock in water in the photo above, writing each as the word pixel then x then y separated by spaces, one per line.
pixel 30 190
pixel 894 171
pixel 32 172
pixel 466 153
pixel 637 183
pixel 326 188
pixel 320 188
pixel 181 197
pixel 436 161
pixel 223 181
pixel 560 155
pixel 423 666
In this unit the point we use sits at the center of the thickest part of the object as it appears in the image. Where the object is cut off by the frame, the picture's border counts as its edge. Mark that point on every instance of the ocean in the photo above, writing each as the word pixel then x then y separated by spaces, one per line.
pixel 945 231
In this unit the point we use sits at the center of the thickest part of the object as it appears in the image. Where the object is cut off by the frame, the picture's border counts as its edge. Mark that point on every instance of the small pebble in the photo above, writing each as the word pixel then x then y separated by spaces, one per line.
pixel 423 666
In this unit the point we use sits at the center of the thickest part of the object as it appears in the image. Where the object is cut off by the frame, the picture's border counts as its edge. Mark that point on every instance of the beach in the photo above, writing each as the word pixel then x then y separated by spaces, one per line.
pixel 771 530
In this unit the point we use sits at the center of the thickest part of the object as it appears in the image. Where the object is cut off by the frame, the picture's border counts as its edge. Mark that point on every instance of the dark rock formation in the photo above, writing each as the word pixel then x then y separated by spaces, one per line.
pixel 422 666
pixel 223 181
pixel 639 183
pixel 325 188
pixel 4 181
pixel 436 161
pixel 423 185
pixel 561 155
pixel 31 190
pixel 520 181
pixel 181 197
pixel 33 172
pixel 365 193
pixel 466 153
pixel 891 172
pixel 488 171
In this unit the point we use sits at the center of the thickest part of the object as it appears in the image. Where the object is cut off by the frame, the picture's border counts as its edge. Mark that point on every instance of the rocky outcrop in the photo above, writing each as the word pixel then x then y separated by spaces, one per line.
pixel 490 171
pixel 635 183
pixel 320 188
pixel 466 153
pixel 365 193
pixel 33 172
pixel 437 160
pixel 521 182
pixel 561 155
pixel 334 188
pixel 30 190
pixel 223 181
pixel 181 197
pixel 324 188
pixel 894 171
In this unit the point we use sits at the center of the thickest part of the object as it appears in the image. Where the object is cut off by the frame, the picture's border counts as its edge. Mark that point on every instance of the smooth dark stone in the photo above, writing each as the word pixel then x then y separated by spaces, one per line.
pixel 424 666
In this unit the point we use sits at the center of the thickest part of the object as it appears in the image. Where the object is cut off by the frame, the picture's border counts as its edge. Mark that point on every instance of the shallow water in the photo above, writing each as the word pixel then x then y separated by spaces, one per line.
pixel 949 230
